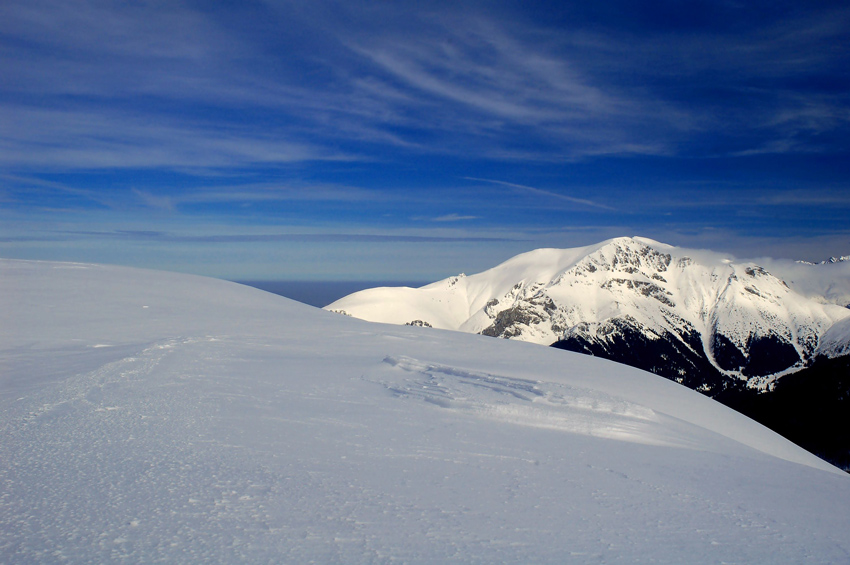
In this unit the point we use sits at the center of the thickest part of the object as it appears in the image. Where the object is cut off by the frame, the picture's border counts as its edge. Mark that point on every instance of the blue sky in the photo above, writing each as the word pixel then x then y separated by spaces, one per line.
pixel 410 141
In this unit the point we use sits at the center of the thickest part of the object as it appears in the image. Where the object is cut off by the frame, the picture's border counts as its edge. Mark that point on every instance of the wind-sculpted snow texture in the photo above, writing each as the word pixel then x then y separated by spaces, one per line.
pixel 149 417
pixel 525 402
pixel 697 317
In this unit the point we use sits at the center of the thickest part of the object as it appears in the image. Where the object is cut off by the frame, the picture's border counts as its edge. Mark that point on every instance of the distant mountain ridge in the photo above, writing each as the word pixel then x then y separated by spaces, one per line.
pixel 699 317
pixel 829 261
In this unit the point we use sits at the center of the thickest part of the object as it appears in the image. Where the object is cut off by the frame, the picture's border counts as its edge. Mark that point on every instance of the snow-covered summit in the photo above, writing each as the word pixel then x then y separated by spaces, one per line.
pixel 832 260
pixel 152 417
pixel 735 317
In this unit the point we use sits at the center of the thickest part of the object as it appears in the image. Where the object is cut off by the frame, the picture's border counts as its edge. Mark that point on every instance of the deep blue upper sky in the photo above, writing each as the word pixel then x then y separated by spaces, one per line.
pixel 412 140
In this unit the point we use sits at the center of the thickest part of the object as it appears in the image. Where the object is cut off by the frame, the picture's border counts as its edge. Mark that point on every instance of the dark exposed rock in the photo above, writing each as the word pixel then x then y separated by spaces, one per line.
pixel 630 260
pixel 419 323
pixel 510 322
pixel 757 272
pixel 545 302
pixel 524 313
pixel 645 288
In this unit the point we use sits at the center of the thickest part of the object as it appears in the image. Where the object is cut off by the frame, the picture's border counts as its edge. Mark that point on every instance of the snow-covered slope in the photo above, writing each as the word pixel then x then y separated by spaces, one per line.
pixel 702 311
pixel 153 417
pixel 836 341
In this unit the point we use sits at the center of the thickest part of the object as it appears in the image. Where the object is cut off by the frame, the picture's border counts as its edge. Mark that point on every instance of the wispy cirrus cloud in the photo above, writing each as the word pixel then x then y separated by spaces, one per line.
pixel 485 70
pixel 170 86
pixel 72 139
pixel 384 91
pixel 17 190
pixel 165 203
pixel 353 237
pixel 478 81
pixel 545 193
pixel 829 197
pixel 453 218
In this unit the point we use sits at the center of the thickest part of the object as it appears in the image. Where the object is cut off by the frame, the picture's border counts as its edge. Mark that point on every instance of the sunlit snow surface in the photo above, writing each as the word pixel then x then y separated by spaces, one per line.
pixel 152 417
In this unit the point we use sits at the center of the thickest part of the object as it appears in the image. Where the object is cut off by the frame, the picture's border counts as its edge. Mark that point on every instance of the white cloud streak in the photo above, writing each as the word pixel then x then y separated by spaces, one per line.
pixel 453 218
pixel 60 138
pixel 544 193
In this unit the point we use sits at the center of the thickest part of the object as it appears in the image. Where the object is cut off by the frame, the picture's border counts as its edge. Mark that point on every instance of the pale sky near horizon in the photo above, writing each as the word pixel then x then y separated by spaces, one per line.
pixel 368 140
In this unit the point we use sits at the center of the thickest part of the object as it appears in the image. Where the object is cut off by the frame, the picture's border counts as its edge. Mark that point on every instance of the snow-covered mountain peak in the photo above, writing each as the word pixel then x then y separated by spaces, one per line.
pixel 734 317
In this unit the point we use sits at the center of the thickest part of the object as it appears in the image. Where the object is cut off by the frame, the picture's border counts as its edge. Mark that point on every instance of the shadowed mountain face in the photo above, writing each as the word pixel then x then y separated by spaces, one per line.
pixel 680 356
pixel 676 357
pixel 810 407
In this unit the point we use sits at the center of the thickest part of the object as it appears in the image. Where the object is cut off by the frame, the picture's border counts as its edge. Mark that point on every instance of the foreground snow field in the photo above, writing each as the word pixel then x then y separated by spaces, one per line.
pixel 150 416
